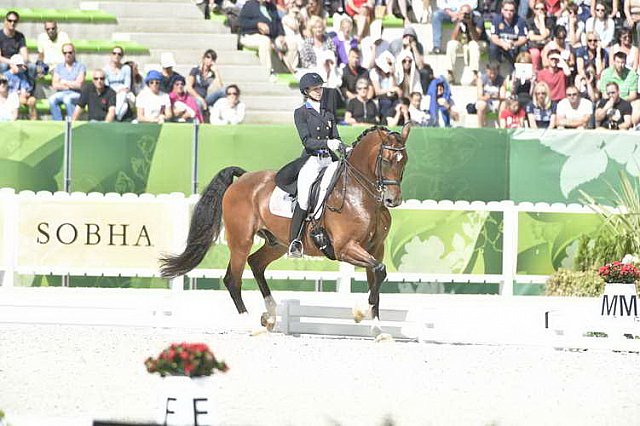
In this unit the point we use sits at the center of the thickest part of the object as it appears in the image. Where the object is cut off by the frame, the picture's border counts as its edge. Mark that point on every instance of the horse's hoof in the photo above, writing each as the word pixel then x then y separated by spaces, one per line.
pixel 259 331
pixel 268 321
pixel 375 329
pixel 358 314
pixel 383 337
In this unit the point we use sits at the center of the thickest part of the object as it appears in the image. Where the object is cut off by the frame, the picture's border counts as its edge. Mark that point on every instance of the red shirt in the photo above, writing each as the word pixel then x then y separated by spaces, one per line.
pixel 556 81
pixel 512 121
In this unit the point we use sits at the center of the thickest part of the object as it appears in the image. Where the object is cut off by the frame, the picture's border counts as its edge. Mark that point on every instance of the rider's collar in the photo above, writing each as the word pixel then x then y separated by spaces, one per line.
pixel 313 104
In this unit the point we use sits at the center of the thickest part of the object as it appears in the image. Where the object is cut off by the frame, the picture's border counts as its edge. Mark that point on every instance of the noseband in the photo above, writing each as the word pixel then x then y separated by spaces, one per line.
pixel 381 181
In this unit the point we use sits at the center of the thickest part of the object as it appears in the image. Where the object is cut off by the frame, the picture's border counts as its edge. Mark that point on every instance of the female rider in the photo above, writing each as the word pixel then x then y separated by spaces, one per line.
pixel 319 134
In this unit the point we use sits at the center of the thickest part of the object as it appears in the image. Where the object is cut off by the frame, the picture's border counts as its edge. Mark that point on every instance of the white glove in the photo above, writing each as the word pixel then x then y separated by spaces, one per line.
pixel 333 144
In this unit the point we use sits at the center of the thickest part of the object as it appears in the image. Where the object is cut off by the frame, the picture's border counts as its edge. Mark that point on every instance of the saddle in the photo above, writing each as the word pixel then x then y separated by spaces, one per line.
pixel 282 203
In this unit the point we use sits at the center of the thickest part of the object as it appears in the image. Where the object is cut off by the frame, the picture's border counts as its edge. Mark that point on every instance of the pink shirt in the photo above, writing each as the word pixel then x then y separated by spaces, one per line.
pixel 188 100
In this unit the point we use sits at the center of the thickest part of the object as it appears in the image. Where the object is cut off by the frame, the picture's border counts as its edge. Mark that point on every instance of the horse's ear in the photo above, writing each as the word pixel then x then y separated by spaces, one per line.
pixel 405 131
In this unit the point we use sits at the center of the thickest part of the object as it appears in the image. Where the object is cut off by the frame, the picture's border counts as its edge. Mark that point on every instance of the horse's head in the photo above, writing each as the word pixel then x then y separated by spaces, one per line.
pixel 386 156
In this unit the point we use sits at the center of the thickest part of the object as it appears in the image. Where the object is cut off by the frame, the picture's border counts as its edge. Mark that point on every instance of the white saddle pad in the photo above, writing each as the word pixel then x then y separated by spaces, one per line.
pixel 281 204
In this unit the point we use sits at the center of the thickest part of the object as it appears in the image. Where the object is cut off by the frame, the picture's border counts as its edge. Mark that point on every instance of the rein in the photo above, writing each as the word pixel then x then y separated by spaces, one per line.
pixel 374 188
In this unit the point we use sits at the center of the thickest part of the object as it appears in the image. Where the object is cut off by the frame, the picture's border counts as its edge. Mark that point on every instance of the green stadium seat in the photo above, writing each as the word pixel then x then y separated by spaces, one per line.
pixel 389 21
pixel 100 46
pixel 62 15
pixel 42 106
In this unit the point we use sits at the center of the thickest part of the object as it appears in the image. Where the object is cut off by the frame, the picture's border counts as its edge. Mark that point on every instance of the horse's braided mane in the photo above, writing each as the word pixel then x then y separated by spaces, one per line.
pixel 366 132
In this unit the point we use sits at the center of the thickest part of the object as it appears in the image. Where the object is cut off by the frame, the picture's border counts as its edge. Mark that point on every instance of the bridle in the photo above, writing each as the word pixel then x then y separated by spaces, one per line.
pixel 381 181
pixel 375 188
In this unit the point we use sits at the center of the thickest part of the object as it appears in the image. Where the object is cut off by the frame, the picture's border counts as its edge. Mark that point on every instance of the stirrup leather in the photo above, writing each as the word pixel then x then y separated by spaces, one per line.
pixel 296 249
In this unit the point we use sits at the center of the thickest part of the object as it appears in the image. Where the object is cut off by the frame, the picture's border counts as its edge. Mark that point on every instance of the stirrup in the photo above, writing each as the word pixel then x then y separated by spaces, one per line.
pixel 296 249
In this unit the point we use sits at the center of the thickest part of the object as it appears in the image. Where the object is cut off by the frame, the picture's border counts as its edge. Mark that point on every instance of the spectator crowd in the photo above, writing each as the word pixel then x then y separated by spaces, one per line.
pixel 552 64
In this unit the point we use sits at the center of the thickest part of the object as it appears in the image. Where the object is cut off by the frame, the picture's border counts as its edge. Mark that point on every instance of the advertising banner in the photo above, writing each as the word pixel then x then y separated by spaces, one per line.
pixel 105 234
pixel 31 155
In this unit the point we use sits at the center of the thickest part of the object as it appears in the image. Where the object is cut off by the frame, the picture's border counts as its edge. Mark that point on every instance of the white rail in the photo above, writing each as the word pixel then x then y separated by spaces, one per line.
pixel 171 212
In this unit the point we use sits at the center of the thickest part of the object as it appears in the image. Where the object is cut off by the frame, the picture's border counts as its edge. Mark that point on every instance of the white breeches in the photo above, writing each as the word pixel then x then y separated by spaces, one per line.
pixel 307 176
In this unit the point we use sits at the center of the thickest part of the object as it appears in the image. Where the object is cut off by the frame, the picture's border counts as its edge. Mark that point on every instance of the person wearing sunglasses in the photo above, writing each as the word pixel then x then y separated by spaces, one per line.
pixel 591 55
pixel 613 112
pixel 602 24
pixel 50 44
pixel 12 41
pixel 574 111
pixel 98 98
pixel 361 110
pixel 118 78
pixel 541 111
pixel 152 104
pixel 67 81
pixel 539 32
pixel 228 110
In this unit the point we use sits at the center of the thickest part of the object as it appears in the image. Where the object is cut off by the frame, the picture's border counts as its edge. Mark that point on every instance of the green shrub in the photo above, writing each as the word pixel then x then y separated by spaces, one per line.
pixel 603 248
pixel 565 282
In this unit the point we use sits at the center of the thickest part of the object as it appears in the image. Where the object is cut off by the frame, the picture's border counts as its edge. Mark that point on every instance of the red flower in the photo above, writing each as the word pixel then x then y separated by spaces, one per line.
pixel 190 359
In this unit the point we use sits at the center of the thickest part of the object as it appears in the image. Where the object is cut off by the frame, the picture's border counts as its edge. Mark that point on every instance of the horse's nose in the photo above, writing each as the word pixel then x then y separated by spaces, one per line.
pixel 390 202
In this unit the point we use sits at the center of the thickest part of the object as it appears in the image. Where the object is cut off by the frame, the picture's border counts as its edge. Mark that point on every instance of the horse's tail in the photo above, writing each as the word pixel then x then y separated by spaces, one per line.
pixel 205 226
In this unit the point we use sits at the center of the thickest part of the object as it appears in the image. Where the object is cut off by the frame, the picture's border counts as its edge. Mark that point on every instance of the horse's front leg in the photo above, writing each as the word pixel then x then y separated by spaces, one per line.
pixel 354 254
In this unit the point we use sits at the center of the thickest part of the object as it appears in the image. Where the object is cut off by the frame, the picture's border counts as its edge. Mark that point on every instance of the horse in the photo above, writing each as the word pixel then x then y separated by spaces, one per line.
pixel 356 219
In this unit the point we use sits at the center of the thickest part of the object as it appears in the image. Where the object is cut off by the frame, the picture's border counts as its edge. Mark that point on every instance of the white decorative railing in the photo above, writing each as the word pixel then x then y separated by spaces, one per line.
pixel 123 235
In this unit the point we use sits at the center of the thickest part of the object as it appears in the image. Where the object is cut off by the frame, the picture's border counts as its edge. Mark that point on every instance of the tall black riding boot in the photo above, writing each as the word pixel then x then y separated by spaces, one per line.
pixel 295 248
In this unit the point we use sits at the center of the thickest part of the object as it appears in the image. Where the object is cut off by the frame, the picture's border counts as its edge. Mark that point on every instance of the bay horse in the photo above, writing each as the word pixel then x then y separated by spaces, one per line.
pixel 356 218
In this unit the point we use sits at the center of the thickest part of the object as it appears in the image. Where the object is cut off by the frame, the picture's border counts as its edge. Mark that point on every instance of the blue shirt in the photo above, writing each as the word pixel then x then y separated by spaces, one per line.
pixel 18 82
pixel 541 115
pixel 71 74
pixel 507 31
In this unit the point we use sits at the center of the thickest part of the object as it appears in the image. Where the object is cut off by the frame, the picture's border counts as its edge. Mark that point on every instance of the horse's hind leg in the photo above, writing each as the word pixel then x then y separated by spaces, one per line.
pixel 239 248
pixel 258 262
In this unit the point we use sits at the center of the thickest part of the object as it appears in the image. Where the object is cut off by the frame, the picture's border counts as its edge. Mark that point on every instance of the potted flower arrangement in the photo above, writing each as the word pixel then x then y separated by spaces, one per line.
pixel 620 298
pixel 620 272
pixel 185 359
pixel 186 391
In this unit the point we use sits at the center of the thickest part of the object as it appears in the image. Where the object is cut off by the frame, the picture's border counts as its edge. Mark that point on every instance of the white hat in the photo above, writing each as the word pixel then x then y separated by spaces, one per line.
pixel 17 59
pixel 167 60
pixel 382 61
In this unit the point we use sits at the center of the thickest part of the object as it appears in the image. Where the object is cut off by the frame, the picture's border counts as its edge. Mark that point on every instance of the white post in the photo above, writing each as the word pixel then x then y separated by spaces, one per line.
pixel 343 284
pixel 509 247
pixel 10 243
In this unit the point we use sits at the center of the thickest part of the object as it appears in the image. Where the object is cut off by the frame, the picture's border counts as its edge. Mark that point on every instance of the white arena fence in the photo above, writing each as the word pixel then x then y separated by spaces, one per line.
pixel 123 235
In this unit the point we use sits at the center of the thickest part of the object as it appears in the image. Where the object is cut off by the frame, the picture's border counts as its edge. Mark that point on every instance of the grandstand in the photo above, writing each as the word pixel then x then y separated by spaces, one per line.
pixel 178 27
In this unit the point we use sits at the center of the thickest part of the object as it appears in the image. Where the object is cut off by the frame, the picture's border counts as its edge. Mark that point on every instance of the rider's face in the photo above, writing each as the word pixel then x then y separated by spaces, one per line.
pixel 315 93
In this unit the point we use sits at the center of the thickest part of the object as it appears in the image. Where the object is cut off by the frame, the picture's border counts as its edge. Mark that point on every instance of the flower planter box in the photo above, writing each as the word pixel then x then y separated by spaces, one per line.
pixel 186 401
pixel 619 302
